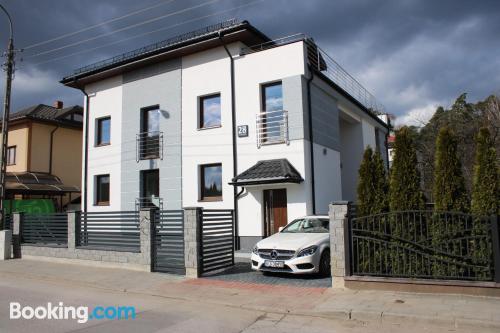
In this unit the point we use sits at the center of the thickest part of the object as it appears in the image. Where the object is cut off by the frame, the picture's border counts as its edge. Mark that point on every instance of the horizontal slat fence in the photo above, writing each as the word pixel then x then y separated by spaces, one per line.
pixel 45 229
pixel 168 250
pixel 115 231
pixel 217 239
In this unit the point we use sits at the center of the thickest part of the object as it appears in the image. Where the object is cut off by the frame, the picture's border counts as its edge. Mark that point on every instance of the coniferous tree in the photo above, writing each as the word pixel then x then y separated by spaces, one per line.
pixel 449 186
pixel 486 181
pixel 485 201
pixel 381 185
pixel 404 185
pixel 365 183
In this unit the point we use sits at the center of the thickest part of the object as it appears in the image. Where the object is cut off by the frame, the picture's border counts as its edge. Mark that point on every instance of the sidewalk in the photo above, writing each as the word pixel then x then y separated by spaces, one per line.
pixel 447 311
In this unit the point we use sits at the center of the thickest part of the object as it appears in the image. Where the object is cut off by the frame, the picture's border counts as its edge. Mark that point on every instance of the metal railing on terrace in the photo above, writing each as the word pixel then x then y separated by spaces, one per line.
pixel 272 127
pixel 149 145
pixel 319 60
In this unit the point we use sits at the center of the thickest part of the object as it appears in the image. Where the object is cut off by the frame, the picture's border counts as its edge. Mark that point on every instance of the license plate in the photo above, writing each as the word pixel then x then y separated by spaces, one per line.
pixel 274 264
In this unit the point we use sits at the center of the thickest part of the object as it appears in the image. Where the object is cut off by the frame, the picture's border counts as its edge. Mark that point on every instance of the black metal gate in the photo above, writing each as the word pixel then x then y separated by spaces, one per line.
pixel 168 246
pixel 217 239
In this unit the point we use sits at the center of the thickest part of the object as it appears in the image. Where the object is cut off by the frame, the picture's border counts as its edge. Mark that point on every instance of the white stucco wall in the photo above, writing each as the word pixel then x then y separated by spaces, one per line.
pixel 105 100
pixel 327 177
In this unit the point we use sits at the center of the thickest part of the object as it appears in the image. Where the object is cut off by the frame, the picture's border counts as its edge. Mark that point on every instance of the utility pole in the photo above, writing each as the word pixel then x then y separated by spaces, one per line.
pixel 9 68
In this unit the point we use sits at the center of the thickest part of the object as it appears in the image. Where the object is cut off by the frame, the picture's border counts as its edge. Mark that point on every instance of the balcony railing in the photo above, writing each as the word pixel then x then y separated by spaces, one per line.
pixel 272 128
pixel 149 202
pixel 149 145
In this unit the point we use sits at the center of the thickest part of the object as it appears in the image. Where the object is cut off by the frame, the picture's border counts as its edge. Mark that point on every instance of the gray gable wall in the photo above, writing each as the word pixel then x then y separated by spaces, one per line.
pixel 158 84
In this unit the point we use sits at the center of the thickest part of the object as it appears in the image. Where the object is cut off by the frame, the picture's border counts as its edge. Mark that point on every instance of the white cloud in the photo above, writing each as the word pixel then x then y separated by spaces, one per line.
pixel 29 80
pixel 418 116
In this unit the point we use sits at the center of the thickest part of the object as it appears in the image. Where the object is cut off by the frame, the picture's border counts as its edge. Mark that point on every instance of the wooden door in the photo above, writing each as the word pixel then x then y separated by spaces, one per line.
pixel 275 211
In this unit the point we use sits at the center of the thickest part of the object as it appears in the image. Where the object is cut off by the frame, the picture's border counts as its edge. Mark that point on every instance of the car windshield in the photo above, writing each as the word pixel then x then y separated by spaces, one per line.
pixel 308 225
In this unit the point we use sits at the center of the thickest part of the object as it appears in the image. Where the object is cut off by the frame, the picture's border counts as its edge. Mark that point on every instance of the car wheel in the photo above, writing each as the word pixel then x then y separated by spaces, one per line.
pixel 324 264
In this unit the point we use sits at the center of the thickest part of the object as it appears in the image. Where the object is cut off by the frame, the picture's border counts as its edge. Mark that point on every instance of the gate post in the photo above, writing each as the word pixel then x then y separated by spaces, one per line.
pixel 17 221
pixel 73 230
pixel 193 218
pixel 339 242
pixel 5 243
pixel 147 235
pixel 495 233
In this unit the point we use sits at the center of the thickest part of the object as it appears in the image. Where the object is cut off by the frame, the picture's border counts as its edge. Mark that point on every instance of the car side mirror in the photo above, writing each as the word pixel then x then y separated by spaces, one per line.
pixel 280 229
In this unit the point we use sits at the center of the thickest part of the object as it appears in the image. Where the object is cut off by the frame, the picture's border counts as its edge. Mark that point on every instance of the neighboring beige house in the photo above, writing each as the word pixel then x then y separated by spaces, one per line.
pixel 44 157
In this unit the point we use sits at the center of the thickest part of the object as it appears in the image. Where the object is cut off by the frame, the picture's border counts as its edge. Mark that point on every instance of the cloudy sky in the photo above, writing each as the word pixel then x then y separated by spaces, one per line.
pixel 411 54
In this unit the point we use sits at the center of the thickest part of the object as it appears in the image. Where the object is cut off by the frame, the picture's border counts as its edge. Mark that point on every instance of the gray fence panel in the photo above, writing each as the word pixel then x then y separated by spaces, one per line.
pixel 45 229
pixel 115 231
pixel 217 239
pixel 168 247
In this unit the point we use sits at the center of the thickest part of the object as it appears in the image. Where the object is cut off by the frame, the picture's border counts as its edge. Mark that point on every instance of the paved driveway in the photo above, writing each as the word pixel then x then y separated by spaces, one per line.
pixel 242 272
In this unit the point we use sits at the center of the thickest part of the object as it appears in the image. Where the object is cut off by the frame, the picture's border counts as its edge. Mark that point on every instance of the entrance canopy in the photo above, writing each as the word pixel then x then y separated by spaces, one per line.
pixel 36 183
pixel 268 172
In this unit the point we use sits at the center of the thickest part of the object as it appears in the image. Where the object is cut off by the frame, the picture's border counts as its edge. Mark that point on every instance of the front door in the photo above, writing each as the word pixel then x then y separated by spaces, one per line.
pixel 275 213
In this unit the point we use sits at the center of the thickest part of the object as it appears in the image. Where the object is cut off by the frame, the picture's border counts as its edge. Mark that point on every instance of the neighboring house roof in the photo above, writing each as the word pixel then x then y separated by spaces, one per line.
pixel 191 42
pixel 36 182
pixel 46 113
pixel 269 172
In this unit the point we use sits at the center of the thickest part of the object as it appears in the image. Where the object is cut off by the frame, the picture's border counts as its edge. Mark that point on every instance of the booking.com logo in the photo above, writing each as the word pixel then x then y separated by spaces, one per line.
pixel 79 313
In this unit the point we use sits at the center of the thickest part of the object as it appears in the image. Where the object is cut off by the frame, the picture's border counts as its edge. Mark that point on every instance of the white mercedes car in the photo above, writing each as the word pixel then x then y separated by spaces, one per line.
pixel 302 247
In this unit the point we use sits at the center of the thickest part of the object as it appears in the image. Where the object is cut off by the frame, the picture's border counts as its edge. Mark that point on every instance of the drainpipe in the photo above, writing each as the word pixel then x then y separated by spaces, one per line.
pixel 311 142
pixel 86 147
pixel 235 151
pixel 51 147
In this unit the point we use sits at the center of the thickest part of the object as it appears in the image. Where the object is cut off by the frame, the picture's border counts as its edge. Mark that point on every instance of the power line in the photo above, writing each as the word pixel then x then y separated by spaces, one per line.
pixel 97 25
pixel 149 32
pixel 125 28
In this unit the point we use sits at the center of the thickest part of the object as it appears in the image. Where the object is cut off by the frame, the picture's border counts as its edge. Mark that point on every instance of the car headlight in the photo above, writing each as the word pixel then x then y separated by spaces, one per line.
pixel 308 251
pixel 255 250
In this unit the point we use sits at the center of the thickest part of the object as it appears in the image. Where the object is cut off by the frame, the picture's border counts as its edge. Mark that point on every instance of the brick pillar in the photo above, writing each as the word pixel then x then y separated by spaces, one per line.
pixel 338 221
pixel 192 241
pixel 147 220
pixel 17 219
pixel 73 229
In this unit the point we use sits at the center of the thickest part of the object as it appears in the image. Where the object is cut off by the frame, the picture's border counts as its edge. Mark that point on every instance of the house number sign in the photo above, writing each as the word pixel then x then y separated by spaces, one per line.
pixel 242 131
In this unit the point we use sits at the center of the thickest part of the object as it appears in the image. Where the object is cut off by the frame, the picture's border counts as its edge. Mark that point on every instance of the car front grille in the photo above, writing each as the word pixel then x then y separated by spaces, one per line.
pixel 282 254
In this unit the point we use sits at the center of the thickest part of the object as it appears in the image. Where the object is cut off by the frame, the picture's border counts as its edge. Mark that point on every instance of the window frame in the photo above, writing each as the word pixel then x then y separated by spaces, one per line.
pixel 98 136
pixel 97 201
pixel 263 87
pixel 201 111
pixel 8 155
pixel 202 197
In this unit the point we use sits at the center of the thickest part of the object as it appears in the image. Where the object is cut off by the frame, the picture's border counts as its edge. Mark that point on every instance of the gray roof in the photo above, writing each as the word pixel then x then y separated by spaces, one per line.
pixel 211 32
pixel 48 113
pixel 269 172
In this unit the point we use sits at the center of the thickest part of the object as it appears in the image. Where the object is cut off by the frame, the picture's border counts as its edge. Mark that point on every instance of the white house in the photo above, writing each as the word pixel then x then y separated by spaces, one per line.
pixel 225 118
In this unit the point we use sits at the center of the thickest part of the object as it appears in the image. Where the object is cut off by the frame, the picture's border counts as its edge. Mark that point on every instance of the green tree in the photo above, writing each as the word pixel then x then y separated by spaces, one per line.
pixel 485 201
pixel 449 185
pixel 365 193
pixel 372 184
pixel 404 185
pixel 486 180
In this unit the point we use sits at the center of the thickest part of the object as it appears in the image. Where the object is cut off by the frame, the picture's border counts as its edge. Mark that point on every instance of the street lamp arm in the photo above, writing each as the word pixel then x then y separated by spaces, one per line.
pixel 10 21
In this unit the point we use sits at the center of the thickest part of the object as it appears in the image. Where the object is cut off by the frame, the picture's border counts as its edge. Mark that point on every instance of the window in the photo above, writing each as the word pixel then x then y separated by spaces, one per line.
pixel 102 190
pixel 150 188
pixel 272 97
pixel 103 136
pixel 273 116
pixel 11 155
pixel 211 182
pixel 150 133
pixel 210 111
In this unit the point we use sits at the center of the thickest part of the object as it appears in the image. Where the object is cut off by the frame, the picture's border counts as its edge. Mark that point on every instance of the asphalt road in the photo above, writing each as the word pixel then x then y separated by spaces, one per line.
pixel 158 314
